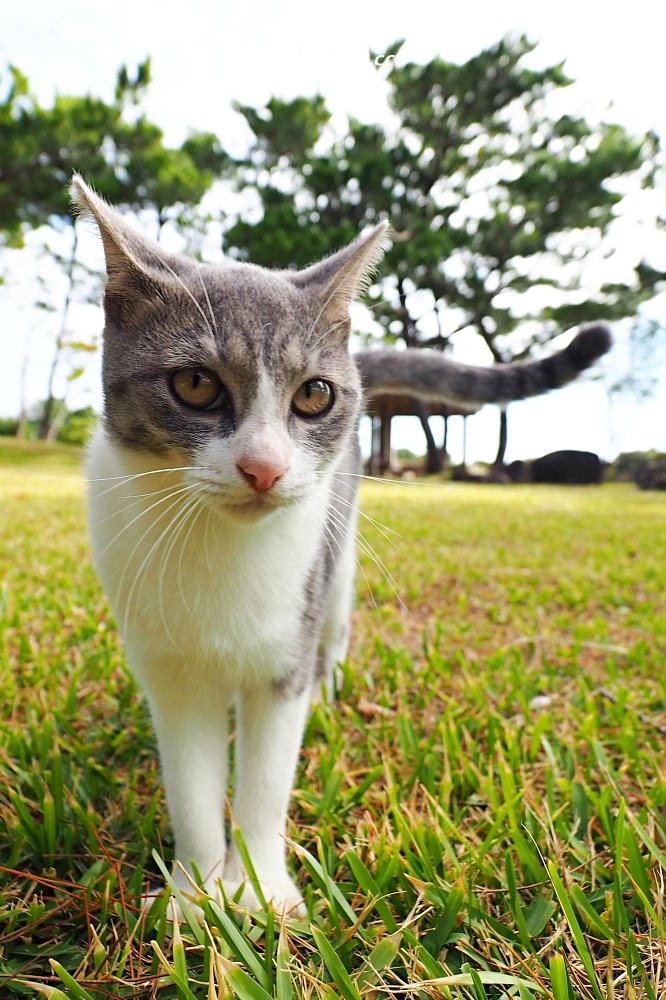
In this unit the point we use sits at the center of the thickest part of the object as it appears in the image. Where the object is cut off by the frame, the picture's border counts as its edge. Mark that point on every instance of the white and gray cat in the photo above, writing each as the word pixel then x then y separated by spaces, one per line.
pixel 223 506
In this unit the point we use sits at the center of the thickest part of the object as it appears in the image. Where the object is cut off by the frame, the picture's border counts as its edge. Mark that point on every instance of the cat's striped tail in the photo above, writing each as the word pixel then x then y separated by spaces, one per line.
pixel 431 375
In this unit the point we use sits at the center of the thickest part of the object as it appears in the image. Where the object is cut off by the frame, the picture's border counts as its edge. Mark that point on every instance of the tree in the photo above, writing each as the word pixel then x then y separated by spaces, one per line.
pixel 496 202
pixel 119 150
pixel 77 426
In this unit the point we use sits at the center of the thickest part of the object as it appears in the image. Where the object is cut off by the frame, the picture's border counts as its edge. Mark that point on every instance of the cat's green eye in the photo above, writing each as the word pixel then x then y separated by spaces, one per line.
pixel 313 398
pixel 198 387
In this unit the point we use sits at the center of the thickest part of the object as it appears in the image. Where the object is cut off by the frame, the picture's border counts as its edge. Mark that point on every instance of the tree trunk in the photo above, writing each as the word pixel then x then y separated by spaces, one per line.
pixel 47 424
pixel 503 437
pixel 22 427
pixel 434 459
pixel 445 443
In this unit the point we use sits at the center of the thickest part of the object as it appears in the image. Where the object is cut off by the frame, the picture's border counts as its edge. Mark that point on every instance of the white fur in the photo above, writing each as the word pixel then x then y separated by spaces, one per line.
pixel 209 605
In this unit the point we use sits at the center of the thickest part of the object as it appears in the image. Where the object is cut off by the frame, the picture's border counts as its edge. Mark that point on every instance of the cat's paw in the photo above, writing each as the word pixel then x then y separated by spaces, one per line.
pixel 278 889
pixel 282 894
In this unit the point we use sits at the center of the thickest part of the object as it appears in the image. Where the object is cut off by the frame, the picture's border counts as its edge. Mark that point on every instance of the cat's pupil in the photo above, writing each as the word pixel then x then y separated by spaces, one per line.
pixel 313 399
pixel 197 387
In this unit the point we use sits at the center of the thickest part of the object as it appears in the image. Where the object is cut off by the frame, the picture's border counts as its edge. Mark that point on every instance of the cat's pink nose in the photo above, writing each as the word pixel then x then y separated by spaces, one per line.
pixel 262 474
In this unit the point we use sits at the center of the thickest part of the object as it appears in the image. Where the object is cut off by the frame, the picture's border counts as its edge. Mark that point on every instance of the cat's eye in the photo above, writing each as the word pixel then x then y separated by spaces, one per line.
pixel 199 388
pixel 313 399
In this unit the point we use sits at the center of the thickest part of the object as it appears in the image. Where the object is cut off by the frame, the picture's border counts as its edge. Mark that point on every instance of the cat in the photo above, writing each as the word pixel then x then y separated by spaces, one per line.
pixel 222 499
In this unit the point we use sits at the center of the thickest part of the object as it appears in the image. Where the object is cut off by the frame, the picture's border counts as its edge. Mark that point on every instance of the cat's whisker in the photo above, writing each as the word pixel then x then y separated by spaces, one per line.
pixel 191 294
pixel 368 549
pixel 152 523
pixel 148 472
pixel 329 535
pixel 136 550
pixel 179 518
pixel 182 507
pixel 209 567
pixel 327 301
pixel 154 493
pixel 381 479
pixel 367 583
pixel 360 565
pixel 324 335
pixel 142 513
pixel 192 516
pixel 374 305
pixel 208 302
pixel 134 500
pixel 160 586
pixel 193 504
pixel 372 554
pixel 383 529
pixel 119 480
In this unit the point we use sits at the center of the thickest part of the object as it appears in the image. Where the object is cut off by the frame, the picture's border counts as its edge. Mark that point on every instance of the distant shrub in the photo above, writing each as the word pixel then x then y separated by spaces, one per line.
pixel 77 426
pixel 630 466
pixel 8 426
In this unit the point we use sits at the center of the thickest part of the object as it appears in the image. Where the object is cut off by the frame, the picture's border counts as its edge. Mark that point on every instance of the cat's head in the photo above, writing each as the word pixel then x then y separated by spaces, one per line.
pixel 237 371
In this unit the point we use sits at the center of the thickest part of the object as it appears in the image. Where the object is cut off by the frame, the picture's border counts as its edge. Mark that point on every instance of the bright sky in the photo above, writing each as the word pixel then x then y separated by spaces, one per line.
pixel 207 53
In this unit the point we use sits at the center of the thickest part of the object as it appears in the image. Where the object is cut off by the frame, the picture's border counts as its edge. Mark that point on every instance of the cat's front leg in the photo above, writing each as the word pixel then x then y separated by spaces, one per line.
pixel 270 727
pixel 192 733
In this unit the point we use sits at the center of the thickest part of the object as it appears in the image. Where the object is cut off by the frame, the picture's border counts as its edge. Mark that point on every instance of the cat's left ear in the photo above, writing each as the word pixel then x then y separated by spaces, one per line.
pixel 342 278
pixel 138 270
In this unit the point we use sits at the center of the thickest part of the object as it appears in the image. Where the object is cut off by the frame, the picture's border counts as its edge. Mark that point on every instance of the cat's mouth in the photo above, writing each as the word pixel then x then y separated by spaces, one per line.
pixel 248 506
pixel 248 509
pixel 252 509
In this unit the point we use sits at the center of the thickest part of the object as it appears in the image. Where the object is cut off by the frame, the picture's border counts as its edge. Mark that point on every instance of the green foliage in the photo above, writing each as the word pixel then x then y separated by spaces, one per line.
pixel 286 131
pixel 481 184
pixel 489 193
pixel 112 144
pixel 628 465
pixel 405 455
pixel 8 426
pixel 115 147
pixel 77 426
pixel 481 813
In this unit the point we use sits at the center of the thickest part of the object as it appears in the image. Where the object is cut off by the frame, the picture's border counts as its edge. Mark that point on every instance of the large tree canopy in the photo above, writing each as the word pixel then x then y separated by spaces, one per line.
pixel 497 197
pixel 118 149
pixel 112 143
pixel 490 192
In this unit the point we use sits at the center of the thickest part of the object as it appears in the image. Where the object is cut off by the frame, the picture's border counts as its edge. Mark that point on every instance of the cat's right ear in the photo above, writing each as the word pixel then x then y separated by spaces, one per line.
pixel 340 279
pixel 137 268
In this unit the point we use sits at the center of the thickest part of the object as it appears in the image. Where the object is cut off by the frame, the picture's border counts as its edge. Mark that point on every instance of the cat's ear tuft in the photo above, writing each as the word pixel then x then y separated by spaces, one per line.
pixel 343 277
pixel 117 237
pixel 136 267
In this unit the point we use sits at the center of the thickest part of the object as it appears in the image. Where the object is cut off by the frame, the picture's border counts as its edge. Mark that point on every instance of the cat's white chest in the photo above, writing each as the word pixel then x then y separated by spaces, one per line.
pixel 182 579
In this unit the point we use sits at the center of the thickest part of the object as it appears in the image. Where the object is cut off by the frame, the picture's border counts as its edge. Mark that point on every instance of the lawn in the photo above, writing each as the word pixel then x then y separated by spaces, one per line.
pixel 481 814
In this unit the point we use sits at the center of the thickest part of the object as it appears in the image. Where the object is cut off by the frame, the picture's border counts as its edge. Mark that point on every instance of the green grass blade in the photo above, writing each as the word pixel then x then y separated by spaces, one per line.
pixel 368 884
pixel 283 985
pixel 249 867
pixel 185 909
pixel 176 976
pixel 380 958
pixel 240 945
pixel 327 885
pixel 559 978
pixel 76 990
pixel 336 969
pixel 243 985
pixel 576 930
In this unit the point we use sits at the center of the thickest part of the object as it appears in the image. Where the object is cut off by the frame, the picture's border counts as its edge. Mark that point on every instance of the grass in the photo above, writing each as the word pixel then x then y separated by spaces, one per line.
pixel 480 815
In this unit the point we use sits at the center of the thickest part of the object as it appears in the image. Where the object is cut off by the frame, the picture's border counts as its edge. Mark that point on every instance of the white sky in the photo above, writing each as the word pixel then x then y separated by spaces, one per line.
pixel 207 53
